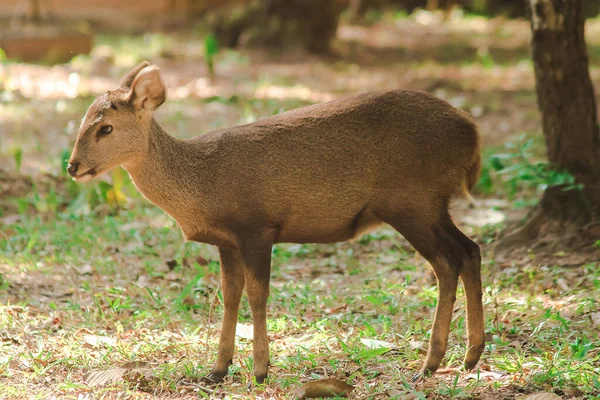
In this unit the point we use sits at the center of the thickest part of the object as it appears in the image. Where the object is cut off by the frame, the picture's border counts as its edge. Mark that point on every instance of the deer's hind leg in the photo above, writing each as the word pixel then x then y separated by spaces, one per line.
pixel 437 239
pixel 470 275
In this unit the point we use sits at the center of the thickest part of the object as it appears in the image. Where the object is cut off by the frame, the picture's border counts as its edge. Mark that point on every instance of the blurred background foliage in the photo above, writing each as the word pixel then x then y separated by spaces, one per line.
pixel 210 41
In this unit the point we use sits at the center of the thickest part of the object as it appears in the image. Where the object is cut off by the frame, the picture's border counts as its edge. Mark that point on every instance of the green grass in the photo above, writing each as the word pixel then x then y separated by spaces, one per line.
pixel 126 274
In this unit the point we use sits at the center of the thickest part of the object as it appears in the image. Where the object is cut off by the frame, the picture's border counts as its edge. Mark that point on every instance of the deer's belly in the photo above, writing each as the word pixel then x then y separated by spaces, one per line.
pixel 326 229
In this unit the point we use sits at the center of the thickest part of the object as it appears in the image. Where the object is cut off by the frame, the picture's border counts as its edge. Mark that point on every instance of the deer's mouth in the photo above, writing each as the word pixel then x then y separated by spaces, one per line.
pixel 86 176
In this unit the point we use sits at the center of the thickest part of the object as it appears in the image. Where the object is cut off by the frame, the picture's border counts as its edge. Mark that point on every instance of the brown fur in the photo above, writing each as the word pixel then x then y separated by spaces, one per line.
pixel 318 174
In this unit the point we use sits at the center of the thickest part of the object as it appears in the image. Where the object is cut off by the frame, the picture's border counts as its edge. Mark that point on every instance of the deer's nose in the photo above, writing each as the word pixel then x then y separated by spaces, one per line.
pixel 72 168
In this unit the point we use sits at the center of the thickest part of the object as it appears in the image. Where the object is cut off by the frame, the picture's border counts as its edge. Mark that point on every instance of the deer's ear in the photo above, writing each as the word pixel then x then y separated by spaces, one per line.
pixel 147 89
pixel 127 80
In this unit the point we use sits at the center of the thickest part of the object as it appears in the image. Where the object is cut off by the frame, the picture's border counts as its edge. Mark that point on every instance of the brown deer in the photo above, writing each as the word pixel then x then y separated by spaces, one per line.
pixel 319 174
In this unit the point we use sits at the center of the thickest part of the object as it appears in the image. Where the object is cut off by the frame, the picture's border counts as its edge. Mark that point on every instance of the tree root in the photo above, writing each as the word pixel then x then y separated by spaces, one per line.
pixel 561 229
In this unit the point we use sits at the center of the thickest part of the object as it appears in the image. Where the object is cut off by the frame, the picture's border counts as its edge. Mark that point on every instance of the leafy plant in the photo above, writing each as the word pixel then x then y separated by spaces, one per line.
pixel 18 156
pixel 211 48
pixel 517 169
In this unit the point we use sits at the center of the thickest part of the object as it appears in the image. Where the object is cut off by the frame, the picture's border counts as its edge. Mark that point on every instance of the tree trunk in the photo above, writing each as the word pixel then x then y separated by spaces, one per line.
pixel 36 14
pixel 319 23
pixel 564 88
pixel 281 23
pixel 432 5
pixel 568 107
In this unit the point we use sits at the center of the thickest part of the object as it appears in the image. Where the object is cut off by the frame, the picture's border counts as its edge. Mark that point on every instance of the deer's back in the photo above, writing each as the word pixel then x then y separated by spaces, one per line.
pixel 327 168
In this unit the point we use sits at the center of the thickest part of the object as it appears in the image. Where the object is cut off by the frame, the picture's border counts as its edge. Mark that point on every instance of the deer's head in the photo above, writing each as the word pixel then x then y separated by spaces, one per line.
pixel 116 127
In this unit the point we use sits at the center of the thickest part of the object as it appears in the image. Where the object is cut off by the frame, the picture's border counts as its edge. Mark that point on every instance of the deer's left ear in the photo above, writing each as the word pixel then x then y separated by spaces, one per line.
pixel 127 80
pixel 148 90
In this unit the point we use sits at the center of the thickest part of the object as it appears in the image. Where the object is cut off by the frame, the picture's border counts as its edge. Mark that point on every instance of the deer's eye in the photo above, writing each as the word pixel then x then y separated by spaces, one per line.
pixel 105 130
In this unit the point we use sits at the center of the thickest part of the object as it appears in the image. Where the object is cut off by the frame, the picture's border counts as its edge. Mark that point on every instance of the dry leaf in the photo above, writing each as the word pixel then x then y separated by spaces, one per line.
pixel 11 219
pixel 85 270
pixel 172 264
pixel 59 293
pixel 540 396
pixel 143 281
pixel 202 261
pixel 418 345
pixel 95 341
pixel 595 318
pixel 172 276
pixel 323 388
pixel 562 283
pixel 244 331
pixel 483 217
pixel 337 309
pixel 131 372
pixel 377 344
pixel 486 375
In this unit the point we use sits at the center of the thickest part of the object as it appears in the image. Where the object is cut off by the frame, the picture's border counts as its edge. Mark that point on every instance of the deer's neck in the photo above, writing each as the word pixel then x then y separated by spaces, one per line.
pixel 168 176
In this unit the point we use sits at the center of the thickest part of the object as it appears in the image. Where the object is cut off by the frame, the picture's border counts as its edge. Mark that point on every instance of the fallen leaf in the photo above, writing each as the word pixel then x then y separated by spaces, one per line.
pixel 573 392
pixel 5 337
pixel 337 309
pixel 377 344
pixel 202 261
pixel 11 219
pixel 483 217
pixel 143 281
pixel 172 276
pixel 418 345
pixel 244 331
pixel 210 280
pixel 57 294
pixel 540 396
pixel 323 388
pixel 486 375
pixel 85 270
pixel 562 283
pixel 96 341
pixel 172 264
pixel 595 318
pixel 131 372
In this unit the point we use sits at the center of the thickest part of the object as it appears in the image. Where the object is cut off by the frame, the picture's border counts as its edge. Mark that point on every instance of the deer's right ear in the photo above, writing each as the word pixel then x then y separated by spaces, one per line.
pixel 148 89
pixel 127 80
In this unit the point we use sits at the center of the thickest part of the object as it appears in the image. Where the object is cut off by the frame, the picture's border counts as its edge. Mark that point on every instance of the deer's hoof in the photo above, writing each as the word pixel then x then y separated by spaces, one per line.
pixel 418 377
pixel 213 378
pixel 260 379
pixel 426 372
pixel 472 357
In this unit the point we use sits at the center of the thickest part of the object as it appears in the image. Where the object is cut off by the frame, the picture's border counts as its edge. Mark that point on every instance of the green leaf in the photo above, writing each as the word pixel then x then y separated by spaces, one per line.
pixel 18 155
pixel 496 163
pixel 64 158
pixel 104 187
pixel 527 177
pixel 211 46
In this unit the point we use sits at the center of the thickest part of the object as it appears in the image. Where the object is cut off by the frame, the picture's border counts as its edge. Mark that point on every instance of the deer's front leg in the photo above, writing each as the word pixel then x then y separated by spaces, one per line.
pixel 257 270
pixel 232 286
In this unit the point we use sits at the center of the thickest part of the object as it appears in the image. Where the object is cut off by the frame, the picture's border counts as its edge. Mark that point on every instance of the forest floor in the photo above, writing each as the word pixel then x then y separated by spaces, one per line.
pixel 95 278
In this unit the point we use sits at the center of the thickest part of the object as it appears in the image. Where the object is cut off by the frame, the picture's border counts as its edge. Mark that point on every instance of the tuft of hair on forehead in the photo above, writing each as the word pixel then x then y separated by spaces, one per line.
pixel 100 105
pixel 115 99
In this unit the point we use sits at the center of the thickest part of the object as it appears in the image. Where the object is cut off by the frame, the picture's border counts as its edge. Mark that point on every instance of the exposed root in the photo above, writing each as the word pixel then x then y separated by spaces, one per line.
pixel 561 230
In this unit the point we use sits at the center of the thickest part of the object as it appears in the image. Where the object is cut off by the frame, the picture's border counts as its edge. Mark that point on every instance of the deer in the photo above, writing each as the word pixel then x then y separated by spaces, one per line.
pixel 324 173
